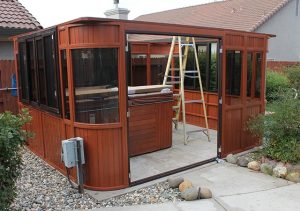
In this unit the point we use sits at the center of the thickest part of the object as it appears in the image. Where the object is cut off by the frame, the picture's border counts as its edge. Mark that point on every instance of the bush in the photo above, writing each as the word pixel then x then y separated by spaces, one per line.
pixel 293 74
pixel 12 138
pixel 281 129
pixel 275 83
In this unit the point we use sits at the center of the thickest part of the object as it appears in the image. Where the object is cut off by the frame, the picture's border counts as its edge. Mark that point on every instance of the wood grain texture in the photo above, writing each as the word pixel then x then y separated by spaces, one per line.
pixel 7 102
pixel 150 128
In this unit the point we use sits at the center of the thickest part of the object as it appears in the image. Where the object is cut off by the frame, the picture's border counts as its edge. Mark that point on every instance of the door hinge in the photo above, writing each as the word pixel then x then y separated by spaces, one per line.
pixel 128 114
pixel 221 50
pixel 221 101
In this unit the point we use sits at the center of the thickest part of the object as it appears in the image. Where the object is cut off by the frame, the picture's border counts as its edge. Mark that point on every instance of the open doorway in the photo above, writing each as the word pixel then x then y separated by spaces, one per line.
pixel 156 147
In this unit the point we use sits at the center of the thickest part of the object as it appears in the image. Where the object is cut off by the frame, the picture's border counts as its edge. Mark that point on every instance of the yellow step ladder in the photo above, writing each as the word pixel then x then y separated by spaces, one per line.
pixel 179 80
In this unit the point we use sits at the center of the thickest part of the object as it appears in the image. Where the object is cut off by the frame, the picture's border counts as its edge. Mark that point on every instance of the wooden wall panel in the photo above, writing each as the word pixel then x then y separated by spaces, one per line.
pixel 194 112
pixel 232 131
pixel 7 102
pixel 235 40
pixel 63 36
pixel 94 34
pixel 105 162
pixel 53 125
pixel 255 42
pixel 36 144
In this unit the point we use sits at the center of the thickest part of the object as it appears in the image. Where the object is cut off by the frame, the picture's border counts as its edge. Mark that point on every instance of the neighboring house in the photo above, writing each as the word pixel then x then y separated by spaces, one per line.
pixel 278 17
pixel 14 20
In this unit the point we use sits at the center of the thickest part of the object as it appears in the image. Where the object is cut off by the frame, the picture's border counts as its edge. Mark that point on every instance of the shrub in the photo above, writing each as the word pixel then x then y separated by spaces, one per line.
pixel 280 129
pixel 293 74
pixel 275 82
pixel 12 138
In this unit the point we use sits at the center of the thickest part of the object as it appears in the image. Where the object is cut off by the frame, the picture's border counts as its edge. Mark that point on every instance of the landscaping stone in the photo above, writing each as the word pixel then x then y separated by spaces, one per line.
pixel 175 182
pixel 254 165
pixel 280 171
pixel 185 185
pixel 243 161
pixel 293 177
pixel 205 193
pixel 231 159
pixel 190 194
pixel 266 168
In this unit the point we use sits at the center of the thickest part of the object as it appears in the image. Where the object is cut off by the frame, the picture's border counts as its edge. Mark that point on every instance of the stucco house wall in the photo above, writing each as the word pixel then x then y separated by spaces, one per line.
pixel 285 24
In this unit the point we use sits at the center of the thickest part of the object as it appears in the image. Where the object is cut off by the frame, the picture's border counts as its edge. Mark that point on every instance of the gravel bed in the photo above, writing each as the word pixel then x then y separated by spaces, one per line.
pixel 40 187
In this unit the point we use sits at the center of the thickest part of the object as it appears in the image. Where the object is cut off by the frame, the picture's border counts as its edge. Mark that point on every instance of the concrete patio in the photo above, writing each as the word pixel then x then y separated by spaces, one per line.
pixel 179 155
pixel 234 188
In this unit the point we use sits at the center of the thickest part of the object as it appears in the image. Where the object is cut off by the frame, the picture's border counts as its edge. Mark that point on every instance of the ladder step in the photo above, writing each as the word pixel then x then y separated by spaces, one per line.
pixel 176 77
pixel 172 82
pixel 191 71
pixel 176 107
pixel 193 101
pixel 175 68
pixel 186 44
pixel 176 95
pixel 189 76
pixel 174 120
pixel 196 131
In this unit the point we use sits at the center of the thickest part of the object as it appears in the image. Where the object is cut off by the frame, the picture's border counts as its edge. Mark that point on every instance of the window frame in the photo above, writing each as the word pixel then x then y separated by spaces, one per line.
pixel 34 38
pixel 73 84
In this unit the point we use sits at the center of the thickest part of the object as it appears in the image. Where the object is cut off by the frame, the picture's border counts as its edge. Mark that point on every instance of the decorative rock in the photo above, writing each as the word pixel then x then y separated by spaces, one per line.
pixel 266 168
pixel 185 185
pixel 243 161
pixel 175 182
pixel 254 165
pixel 204 193
pixel 231 159
pixel 280 171
pixel 293 177
pixel 190 194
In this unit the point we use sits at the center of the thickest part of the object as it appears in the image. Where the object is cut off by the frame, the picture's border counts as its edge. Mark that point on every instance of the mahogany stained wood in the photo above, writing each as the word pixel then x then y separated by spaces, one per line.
pixel 106 147
pixel 150 127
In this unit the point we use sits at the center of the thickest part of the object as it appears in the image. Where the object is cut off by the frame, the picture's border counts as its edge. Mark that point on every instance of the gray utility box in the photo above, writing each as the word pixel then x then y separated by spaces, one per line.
pixel 69 152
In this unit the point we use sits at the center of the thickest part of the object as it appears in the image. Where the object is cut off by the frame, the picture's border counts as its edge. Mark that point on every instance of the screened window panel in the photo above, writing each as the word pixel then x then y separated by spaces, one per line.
pixel 23 72
pixel 41 72
pixel 249 73
pixel 233 72
pixel 95 74
pixel 213 68
pixel 65 82
pixel 258 75
pixel 51 72
pixel 139 70
pixel 33 88
pixel 158 68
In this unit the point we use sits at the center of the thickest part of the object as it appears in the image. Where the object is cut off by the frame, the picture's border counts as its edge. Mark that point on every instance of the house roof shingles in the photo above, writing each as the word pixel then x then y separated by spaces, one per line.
pixel 14 16
pixel 244 15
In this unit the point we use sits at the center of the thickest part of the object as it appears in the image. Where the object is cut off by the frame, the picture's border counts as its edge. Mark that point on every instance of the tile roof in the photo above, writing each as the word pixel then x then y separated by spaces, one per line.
pixel 14 16
pixel 245 15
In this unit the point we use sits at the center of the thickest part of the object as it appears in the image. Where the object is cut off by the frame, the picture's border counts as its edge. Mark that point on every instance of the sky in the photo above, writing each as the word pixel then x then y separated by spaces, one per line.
pixel 52 12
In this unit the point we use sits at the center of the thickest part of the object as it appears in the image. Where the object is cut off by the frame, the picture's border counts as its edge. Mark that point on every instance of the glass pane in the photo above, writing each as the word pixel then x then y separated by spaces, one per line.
pixel 32 73
pixel 41 71
pixel 158 68
pixel 249 73
pixel 138 70
pixel 190 83
pixel 213 72
pixel 65 83
pixel 203 62
pixel 258 74
pixel 96 85
pixel 233 76
pixel 51 72
pixel 23 72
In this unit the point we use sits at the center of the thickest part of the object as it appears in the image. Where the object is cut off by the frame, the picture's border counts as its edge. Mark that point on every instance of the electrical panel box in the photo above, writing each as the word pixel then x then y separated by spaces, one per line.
pixel 69 152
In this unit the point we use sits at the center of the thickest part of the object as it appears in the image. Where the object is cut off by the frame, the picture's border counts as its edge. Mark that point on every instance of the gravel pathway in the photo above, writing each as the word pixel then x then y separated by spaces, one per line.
pixel 40 187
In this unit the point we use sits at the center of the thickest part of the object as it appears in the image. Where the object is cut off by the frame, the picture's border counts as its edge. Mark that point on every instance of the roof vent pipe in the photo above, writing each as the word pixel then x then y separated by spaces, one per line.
pixel 117 13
